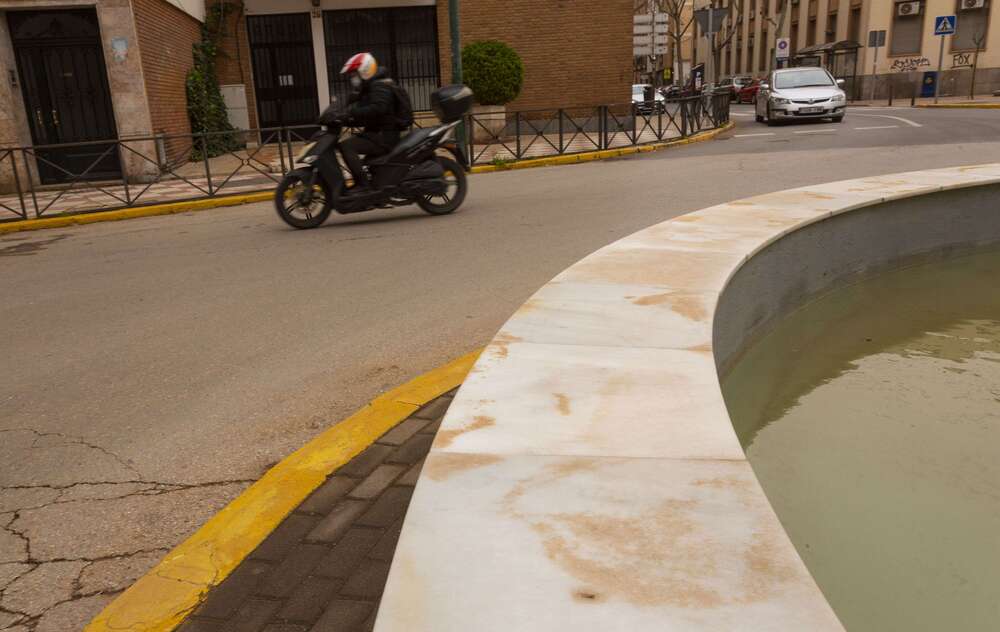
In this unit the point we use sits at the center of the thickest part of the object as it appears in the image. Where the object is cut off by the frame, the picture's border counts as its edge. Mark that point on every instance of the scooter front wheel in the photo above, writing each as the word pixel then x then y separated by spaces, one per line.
pixel 295 207
pixel 456 187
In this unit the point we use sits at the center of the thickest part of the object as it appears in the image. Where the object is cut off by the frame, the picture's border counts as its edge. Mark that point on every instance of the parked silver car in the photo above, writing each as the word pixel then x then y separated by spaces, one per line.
pixel 800 93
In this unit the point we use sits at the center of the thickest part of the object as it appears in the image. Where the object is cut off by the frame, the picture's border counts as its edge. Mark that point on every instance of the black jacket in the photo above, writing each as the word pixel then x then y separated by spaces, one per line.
pixel 374 108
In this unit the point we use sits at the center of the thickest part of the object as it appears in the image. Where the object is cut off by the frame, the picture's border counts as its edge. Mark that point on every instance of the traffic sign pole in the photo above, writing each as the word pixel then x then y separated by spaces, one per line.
pixel 943 25
pixel 937 80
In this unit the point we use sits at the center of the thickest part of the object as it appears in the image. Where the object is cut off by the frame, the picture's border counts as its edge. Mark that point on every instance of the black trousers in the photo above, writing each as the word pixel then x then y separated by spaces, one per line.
pixel 364 145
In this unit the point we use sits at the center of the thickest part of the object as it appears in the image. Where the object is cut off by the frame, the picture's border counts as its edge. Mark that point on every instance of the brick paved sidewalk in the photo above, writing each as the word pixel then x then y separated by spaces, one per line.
pixel 325 567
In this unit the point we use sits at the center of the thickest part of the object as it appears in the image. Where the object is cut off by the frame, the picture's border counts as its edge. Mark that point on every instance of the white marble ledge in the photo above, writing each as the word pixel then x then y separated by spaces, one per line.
pixel 542 544
pixel 525 398
pixel 587 476
pixel 650 316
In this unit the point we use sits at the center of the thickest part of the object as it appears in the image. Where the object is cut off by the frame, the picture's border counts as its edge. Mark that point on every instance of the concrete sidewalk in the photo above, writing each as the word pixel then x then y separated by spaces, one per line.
pixel 325 567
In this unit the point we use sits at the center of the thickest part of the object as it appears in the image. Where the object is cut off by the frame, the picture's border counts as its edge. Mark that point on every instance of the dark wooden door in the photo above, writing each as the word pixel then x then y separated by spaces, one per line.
pixel 284 69
pixel 66 94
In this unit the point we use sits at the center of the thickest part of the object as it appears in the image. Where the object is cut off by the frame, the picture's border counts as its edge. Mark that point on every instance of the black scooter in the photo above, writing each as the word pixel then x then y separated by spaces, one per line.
pixel 415 171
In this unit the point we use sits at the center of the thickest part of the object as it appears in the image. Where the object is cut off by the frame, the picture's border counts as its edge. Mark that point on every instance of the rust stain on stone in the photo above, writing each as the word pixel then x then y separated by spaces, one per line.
pixel 585 595
pixel 724 482
pixel 655 299
pixel 657 557
pixel 443 465
pixel 562 403
pixel 529 306
pixel 686 305
pixel 818 196
pixel 500 344
pixel 646 560
pixel 689 307
pixel 445 438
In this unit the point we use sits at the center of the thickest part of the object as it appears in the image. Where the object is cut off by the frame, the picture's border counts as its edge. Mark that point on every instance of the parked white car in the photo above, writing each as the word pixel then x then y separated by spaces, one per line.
pixel 799 94
pixel 639 103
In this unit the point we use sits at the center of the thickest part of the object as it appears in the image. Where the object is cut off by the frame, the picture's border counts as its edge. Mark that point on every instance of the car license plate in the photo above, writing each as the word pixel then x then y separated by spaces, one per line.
pixel 810 110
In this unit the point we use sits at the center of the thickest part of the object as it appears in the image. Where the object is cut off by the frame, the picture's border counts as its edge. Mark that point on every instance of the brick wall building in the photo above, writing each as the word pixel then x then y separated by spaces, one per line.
pixel 79 71
pixel 575 52
pixel 285 55
pixel 166 37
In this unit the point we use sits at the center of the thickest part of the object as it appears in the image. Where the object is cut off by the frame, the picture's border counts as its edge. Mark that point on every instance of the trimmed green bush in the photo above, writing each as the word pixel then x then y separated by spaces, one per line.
pixel 493 70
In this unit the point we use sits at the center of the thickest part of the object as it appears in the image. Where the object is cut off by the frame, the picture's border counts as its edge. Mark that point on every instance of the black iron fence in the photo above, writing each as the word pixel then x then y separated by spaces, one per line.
pixel 172 168
pixel 502 137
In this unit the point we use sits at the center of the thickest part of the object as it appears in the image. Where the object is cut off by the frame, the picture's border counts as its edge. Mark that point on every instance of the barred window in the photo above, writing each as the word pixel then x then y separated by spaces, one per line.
pixel 973 20
pixel 907 27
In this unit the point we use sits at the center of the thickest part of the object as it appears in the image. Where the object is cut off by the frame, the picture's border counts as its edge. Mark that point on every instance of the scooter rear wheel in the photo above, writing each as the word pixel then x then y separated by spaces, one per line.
pixel 292 207
pixel 454 195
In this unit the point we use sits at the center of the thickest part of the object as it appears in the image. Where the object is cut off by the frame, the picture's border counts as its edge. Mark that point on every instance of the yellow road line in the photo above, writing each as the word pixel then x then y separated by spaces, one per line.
pixel 160 600
pixel 62 221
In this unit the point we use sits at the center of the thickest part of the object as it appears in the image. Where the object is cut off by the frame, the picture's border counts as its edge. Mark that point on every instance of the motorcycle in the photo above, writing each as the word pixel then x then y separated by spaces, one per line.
pixel 415 171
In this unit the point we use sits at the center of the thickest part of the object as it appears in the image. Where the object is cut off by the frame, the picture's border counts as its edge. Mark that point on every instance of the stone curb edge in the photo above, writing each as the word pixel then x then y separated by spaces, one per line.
pixel 161 599
pixel 234 200
pixel 960 106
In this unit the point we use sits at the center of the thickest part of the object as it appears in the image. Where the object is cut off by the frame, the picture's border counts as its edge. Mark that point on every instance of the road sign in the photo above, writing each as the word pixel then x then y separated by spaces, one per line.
pixel 710 20
pixel 781 49
pixel 944 25
pixel 649 34
pixel 876 40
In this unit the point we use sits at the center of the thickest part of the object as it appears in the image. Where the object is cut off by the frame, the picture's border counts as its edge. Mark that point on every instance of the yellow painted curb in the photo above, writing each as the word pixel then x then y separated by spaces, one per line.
pixel 62 221
pixel 160 600
pixel 960 106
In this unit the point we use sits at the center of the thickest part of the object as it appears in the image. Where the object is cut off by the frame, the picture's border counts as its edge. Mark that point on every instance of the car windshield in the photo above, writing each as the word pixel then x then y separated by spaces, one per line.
pixel 802 79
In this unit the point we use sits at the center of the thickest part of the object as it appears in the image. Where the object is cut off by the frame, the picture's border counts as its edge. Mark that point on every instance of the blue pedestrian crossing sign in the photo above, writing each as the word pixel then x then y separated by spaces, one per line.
pixel 944 25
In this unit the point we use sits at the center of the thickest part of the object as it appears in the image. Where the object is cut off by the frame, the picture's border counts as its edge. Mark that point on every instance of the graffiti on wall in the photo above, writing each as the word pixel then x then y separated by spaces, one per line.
pixel 909 64
pixel 961 60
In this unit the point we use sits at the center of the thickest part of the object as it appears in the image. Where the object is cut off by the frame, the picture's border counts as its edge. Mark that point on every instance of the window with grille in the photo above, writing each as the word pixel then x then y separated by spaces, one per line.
pixel 403 40
pixel 907 27
pixel 854 25
pixel 973 21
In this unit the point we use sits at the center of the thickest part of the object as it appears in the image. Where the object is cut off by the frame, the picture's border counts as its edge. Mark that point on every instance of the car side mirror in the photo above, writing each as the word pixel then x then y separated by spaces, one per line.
pixel 765 86
pixel 841 82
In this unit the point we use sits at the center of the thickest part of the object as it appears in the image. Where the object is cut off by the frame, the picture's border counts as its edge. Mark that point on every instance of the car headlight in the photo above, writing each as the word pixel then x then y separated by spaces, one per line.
pixel 779 101
pixel 839 98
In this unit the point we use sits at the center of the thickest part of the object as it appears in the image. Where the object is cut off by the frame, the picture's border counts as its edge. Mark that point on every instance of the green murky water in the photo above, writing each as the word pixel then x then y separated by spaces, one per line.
pixel 872 419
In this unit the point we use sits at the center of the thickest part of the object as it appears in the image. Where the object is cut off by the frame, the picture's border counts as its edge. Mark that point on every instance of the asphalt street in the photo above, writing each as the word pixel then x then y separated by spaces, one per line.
pixel 153 368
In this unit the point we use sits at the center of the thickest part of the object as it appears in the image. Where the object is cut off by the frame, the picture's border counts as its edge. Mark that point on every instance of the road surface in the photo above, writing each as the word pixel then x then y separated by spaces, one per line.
pixel 153 368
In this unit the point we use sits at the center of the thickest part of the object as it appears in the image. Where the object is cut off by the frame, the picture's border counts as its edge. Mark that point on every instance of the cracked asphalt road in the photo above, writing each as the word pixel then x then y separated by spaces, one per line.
pixel 153 368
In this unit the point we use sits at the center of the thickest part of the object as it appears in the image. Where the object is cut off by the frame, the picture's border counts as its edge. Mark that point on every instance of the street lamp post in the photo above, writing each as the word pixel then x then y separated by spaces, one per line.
pixel 454 25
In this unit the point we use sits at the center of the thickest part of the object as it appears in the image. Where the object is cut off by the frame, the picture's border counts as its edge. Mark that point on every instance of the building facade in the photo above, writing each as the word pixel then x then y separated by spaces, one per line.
pixel 834 34
pixel 78 71
pixel 282 58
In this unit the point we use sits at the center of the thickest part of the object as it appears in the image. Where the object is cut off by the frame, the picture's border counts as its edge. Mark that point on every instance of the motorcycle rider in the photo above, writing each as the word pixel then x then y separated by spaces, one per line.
pixel 372 106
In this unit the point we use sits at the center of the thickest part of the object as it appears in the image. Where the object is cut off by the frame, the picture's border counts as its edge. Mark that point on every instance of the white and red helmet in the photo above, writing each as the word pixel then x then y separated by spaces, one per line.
pixel 363 64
